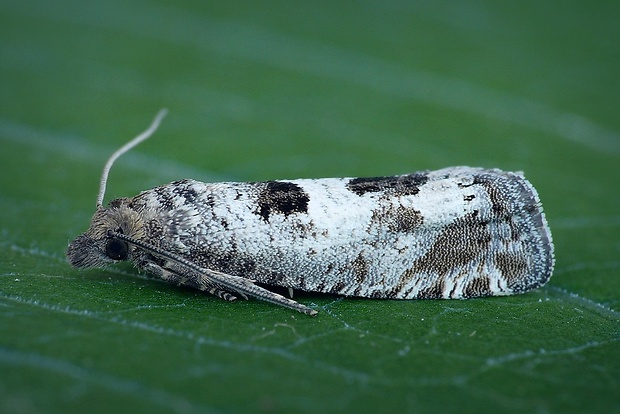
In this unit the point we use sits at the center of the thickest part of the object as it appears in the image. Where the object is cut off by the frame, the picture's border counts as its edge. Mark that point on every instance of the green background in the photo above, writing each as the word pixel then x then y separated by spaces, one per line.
pixel 285 89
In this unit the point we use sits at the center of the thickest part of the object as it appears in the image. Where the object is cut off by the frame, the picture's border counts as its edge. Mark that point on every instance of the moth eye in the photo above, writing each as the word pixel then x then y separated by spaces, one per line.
pixel 116 249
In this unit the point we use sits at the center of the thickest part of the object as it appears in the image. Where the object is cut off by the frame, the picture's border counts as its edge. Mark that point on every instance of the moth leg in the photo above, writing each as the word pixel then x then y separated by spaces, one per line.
pixel 246 287
pixel 180 270
pixel 164 274
pixel 222 294
pixel 178 278
pixel 220 284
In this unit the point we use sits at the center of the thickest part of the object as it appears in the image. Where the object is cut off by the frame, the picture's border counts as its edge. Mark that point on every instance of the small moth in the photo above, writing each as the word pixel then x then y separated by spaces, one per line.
pixel 458 233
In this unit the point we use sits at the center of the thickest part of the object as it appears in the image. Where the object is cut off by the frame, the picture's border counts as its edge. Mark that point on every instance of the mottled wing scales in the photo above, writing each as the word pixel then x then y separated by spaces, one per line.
pixel 454 233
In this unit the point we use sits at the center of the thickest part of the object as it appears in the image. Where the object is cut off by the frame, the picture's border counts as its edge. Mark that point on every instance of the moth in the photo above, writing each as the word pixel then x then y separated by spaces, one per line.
pixel 454 233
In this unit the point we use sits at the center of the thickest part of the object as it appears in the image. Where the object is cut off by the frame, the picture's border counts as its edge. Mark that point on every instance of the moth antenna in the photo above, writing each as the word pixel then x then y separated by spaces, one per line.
pixel 143 136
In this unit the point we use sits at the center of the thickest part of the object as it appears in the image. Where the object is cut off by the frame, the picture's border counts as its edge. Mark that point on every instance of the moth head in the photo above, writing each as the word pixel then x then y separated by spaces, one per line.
pixel 97 247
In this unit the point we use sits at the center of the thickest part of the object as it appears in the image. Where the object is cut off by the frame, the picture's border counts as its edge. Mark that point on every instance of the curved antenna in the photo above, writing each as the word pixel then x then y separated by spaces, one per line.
pixel 108 165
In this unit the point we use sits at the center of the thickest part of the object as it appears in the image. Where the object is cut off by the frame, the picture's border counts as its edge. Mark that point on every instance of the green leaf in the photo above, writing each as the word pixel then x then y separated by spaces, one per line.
pixel 285 90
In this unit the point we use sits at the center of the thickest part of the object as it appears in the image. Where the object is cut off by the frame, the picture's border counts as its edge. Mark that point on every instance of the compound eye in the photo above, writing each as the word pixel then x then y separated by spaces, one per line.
pixel 116 249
